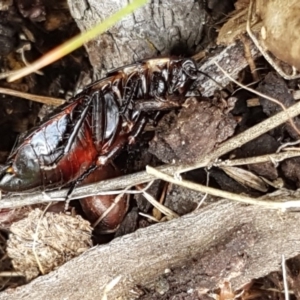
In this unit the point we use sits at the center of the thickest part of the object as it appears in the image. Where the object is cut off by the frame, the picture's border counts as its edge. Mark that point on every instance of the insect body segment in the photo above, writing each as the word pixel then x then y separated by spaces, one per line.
pixel 89 131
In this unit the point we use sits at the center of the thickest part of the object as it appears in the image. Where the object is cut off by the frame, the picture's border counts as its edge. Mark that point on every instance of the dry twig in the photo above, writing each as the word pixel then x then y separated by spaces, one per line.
pixel 32 97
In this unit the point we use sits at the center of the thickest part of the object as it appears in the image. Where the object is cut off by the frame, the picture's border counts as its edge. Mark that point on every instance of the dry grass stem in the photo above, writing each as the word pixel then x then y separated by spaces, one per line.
pixel 249 57
pixel 285 146
pixel 253 102
pixel 277 157
pixel 6 74
pixel 35 239
pixel 292 149
pixel 32 97
pixel 222 194
pixel 149 217
pixel 164 210
pixel 77 41
pixel 107 211
pixel 206 194
pixel 284 275
pixel 11 274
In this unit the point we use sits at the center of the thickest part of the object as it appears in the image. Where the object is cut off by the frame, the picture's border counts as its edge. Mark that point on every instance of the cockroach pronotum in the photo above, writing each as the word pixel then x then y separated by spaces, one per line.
pixel 90 130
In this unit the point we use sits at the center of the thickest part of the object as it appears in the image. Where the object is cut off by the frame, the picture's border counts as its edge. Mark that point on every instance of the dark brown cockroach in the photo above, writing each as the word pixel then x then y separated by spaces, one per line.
pixel 89 131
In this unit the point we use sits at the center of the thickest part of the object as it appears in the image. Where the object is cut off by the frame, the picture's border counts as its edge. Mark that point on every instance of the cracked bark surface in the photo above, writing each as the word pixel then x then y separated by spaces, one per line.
pixel 153 30
pixel 223 240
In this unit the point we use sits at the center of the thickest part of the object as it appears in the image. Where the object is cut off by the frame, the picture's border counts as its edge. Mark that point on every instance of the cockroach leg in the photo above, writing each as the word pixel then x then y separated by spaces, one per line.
pixel 78 125
pixel 137 130
pixel 76 183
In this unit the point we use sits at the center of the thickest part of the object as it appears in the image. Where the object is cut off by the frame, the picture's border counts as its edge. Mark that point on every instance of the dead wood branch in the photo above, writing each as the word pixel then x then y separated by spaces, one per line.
pixel 252 248
pixel 232 59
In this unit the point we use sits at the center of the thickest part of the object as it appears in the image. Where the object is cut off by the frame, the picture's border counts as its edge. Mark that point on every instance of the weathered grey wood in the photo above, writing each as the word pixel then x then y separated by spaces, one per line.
pixel 257 235
pixel 231 59
pixel 151 31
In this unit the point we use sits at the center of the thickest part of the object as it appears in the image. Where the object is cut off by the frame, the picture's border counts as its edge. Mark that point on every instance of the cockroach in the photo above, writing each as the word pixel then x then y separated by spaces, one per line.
pixel 105 212
pixel 91 129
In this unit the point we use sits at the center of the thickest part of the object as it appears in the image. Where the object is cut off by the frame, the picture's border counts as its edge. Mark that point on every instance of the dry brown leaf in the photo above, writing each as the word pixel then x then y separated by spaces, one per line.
pixel 280 30
pixel 246 178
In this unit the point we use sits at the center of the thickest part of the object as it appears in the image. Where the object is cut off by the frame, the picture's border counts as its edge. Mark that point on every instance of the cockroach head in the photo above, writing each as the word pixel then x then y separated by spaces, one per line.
pixel 183 73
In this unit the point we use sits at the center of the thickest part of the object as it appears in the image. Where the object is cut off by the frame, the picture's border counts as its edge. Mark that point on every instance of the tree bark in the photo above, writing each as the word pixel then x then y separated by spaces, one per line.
pixel 157 29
